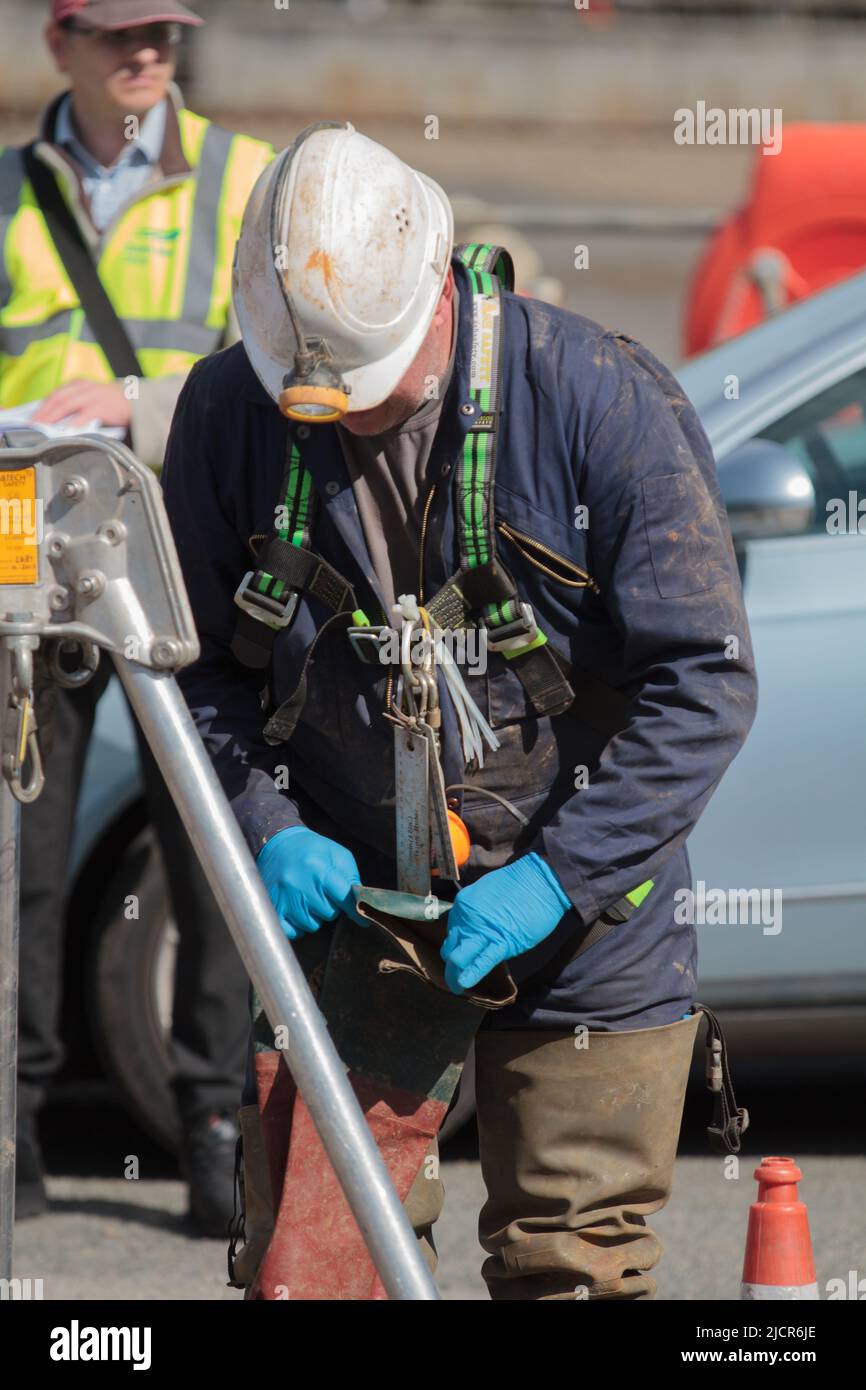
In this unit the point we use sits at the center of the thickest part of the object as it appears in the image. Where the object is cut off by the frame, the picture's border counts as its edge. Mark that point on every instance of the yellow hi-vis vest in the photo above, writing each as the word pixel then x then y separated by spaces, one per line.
pixel 165 261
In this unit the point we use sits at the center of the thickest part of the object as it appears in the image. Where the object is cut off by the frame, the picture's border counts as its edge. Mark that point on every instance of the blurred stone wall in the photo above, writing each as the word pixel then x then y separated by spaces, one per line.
pixel 489 62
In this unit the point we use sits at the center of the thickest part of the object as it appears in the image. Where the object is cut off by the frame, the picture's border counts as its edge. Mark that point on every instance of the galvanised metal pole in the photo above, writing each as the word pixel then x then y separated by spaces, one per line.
pixel 10 822
pixel 271 964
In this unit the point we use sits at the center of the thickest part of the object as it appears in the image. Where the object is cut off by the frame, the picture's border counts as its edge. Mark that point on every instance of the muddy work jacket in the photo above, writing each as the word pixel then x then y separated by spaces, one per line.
pixel 608 516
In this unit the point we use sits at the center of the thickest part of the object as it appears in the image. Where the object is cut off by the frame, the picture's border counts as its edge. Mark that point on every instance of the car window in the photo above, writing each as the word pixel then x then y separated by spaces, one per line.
pixel 829 434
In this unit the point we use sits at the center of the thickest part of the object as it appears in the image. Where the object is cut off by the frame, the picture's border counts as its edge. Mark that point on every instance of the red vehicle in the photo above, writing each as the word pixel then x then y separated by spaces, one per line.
pixel 802 229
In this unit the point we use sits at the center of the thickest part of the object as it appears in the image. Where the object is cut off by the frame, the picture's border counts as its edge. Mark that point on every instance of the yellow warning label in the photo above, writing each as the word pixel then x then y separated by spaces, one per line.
pixel 20 526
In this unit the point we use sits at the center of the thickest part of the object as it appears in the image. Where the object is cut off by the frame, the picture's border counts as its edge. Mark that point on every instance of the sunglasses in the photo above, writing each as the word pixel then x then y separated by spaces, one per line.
pixel 139 36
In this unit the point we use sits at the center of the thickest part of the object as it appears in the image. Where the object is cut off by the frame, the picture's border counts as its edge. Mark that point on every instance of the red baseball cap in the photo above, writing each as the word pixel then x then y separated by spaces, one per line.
pixel 123 14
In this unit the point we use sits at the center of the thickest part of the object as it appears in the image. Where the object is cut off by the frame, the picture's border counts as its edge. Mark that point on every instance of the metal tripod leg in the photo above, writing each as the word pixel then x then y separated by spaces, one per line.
pixel 10 820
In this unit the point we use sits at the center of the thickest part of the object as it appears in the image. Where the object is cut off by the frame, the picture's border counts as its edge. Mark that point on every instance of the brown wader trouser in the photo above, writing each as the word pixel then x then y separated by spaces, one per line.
pixel 578 1144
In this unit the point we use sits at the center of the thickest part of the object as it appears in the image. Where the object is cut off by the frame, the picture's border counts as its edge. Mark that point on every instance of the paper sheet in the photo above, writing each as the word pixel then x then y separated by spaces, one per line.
pixel 19 417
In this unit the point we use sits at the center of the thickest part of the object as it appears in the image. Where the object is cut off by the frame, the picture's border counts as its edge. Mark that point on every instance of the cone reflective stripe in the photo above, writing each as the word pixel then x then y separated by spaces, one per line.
pixel 779 1263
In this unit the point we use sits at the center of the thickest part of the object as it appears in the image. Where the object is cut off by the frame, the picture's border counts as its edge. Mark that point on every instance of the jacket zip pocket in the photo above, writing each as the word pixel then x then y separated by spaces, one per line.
pixel 531 549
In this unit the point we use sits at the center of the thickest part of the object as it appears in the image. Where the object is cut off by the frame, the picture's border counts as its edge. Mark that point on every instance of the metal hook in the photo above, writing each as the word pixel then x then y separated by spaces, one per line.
pixel 33 787
pixel 26 746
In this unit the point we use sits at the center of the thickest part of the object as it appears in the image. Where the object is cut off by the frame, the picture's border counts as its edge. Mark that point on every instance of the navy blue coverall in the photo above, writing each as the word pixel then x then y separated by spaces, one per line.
pixel 590 419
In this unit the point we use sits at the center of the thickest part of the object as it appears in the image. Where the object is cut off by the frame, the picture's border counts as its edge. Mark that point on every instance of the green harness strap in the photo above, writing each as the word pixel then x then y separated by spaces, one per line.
pixel 268 596
pixel 482 593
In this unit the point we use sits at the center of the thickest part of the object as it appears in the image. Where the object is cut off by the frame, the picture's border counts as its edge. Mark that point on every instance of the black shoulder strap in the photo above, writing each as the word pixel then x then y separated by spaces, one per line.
pixel 66 235
pixel 730 1121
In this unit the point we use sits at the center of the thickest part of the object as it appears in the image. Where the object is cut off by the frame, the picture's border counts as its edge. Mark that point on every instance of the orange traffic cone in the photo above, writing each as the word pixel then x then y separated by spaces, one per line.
pixel 779 1262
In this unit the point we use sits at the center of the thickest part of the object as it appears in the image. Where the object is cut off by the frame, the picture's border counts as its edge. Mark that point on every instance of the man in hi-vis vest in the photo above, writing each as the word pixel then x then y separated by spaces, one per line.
pixel 151 199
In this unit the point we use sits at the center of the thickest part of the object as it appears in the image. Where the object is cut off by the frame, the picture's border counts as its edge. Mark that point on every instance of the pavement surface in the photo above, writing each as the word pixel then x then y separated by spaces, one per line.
pixel 106 1237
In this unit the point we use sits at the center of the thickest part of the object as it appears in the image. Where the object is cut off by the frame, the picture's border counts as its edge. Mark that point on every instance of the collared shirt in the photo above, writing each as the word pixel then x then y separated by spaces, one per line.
pixel 108 188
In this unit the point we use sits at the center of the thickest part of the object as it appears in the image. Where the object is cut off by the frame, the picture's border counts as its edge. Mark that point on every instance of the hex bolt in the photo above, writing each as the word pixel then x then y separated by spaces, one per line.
pixel 90 585
pixel 58 598
pixel 113 531
pixel 74 489
pixel 164 652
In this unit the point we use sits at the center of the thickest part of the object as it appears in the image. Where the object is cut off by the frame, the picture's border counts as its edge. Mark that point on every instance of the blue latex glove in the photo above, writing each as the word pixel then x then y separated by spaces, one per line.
pixel 309 879
pixel 503 914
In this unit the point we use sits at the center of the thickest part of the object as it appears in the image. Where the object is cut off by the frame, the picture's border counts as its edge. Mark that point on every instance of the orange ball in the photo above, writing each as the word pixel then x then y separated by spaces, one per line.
pixel 460 841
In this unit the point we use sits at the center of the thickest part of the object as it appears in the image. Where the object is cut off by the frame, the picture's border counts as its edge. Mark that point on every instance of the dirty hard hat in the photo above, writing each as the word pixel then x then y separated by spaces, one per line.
pixel 123 14
pixel 341 260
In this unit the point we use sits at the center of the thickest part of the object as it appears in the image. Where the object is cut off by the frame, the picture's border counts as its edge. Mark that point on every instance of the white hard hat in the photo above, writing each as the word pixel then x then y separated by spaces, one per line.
pixel 338 270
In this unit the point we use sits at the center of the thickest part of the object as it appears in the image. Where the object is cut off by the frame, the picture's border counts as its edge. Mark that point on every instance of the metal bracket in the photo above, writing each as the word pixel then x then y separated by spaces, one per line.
pixel 108 569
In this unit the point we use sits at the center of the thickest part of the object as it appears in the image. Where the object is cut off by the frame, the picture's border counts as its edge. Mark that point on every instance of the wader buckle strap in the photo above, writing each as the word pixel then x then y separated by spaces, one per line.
pixel 729 1122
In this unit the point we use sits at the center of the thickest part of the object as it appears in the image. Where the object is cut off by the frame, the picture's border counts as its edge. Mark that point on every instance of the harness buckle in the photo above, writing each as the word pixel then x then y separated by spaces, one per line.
pixel 519 633
pixel 273 612
pixel 367 643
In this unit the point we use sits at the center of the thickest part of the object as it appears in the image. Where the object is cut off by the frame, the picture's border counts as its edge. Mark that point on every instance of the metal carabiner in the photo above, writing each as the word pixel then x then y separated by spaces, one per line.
pixel 429 693
pixel 37 776
pixel 26 745
pixel 410 675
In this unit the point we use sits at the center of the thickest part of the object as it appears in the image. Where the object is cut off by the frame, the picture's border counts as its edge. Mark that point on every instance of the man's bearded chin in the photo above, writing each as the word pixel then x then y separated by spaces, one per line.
pixel 387 416
pixel 411 391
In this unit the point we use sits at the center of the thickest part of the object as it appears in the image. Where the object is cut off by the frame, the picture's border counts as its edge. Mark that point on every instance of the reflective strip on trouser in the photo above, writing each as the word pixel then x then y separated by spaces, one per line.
pixel 578 1136
pixel 404 1045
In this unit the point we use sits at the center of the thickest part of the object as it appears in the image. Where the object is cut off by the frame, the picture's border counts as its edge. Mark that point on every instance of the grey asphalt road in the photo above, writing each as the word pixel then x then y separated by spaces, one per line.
pixel 106 1237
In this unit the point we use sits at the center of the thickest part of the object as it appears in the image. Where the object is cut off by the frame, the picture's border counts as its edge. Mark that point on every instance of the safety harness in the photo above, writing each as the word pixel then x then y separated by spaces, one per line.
pixel 481 594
